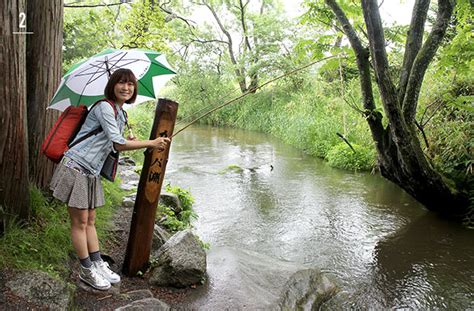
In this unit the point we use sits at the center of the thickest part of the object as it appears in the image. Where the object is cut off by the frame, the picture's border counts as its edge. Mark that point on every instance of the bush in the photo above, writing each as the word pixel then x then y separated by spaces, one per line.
pixel 177 221
pixel 342 156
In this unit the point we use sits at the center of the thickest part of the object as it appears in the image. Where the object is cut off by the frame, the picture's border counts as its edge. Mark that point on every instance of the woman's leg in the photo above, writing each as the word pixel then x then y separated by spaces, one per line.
pixel 93 246
pixel 92 240
pixel 80 241
pixel 79 219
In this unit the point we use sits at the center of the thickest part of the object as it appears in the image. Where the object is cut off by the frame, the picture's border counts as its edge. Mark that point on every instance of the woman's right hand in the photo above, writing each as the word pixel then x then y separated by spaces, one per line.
pixel 160 143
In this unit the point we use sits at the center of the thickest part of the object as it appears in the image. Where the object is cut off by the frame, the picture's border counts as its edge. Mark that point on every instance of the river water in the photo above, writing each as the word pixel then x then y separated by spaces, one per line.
pixel 384 249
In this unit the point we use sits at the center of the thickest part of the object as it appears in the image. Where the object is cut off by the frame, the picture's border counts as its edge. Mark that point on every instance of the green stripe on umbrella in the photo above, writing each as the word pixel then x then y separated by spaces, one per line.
pixel 84 83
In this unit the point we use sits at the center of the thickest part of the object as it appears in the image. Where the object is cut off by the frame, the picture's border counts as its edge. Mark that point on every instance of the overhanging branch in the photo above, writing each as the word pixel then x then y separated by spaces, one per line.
pixel 424 57
pixel 413 44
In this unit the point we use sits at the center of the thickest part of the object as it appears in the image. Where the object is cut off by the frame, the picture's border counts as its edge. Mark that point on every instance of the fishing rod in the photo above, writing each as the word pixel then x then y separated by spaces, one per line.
pixel 252 90
pixel 205 108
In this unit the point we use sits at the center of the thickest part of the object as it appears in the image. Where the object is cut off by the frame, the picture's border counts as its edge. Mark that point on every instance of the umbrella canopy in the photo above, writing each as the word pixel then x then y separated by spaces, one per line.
pixel 84 83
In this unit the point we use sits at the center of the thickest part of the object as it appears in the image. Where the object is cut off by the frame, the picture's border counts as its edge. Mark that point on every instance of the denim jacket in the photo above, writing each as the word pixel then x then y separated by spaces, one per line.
pixel 92 151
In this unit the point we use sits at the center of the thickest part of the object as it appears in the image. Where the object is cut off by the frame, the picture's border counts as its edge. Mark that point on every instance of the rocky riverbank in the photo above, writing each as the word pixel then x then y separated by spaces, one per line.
pixel 182 277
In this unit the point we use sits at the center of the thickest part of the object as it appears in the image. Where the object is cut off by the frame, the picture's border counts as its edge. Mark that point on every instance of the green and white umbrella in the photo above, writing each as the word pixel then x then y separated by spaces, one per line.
pixel 84 83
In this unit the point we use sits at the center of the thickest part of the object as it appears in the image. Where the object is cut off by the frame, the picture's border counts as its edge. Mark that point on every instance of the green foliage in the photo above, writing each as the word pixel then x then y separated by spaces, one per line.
pixel 144 27
pixel 44 242
pixel 456 57
pixel 140 119
pixel 342 156
pixel 447 112
pixel 88 31
pixel 176 221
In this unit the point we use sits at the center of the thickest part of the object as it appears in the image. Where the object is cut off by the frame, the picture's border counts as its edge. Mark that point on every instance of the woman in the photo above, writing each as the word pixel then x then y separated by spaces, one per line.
pixel 76 180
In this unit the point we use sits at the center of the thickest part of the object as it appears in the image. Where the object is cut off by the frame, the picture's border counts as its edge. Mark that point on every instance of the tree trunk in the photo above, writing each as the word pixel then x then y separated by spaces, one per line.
pixel 400 156
pixel 43 64
pixel 14 190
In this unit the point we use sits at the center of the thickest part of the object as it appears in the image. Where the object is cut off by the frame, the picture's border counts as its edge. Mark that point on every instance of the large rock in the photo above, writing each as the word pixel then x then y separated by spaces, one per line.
pixel 39 288
pixel 147 304
pixel 160 237
pixel 180 262
pixel 244 280
pixel 307 289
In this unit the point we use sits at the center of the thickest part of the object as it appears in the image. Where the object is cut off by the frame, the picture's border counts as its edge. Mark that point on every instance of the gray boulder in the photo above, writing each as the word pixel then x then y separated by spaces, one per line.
pixel 180 262
pixel 160 236
pixel 172 201
pixel 147 304
pixel 41 289
pixel 306 290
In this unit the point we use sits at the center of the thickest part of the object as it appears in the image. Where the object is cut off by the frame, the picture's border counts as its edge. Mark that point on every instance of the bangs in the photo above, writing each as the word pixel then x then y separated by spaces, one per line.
pixel 126 76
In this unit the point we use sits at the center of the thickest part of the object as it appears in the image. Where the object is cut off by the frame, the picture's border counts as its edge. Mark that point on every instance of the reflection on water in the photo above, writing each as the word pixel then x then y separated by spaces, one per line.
pixel 385 249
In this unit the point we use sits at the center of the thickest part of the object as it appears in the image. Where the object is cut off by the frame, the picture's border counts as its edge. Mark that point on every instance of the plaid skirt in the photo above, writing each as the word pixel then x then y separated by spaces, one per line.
pixel 74 185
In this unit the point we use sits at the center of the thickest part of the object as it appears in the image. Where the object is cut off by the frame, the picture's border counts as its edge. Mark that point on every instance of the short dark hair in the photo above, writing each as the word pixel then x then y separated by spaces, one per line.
pixel 125 75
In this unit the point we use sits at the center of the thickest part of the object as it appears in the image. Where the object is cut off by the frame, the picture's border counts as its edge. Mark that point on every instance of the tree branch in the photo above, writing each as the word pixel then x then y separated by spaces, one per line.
pixel 239 73
pixel 377 47
pixel 374 118
pixel 244 26
pixel 173 15
pixel 93 5
pixel 413 44
pixel 424 57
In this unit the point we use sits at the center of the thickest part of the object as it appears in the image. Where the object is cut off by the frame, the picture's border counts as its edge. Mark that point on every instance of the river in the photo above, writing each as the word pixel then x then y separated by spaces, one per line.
pixel 253 192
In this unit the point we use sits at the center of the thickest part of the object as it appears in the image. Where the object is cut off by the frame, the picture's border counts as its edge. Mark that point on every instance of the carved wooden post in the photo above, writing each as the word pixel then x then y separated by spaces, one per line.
pixel 148 193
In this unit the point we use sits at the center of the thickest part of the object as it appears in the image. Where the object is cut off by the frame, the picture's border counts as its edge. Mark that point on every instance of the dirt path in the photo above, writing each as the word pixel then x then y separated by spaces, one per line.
pixel 130 288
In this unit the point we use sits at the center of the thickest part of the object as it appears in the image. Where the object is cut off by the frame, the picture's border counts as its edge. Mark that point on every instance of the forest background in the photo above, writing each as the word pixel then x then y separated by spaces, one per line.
pixel 322 110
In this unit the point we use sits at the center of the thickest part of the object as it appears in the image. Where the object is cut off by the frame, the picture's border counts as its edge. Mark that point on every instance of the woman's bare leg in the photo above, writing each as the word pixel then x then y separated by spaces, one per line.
pixel 79 219
pixel 92 239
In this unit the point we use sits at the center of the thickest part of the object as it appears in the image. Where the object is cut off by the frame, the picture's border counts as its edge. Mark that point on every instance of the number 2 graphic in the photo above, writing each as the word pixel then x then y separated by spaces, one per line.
pixel 22 17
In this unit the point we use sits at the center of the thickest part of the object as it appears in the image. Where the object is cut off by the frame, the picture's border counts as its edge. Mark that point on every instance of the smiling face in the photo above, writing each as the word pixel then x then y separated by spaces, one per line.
pixel 123 91
pixel 122 87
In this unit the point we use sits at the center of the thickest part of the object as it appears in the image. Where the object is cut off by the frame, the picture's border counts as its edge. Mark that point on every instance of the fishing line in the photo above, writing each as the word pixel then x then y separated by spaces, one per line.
pixel 199 111
pixel 252 91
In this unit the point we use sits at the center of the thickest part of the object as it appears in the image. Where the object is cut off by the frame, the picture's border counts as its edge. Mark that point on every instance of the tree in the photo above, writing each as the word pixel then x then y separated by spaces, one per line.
pixel 14 190
pixel 90 28
pixel 400 156
pixel 243 33
pixel 43 64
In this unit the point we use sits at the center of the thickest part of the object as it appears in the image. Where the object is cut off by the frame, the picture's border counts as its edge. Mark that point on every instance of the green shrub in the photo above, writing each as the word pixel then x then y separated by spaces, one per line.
pixel 177 221
pixel 341 156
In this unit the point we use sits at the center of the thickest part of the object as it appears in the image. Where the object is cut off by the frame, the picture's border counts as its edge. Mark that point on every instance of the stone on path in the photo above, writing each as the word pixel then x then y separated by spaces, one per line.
pixel 41 289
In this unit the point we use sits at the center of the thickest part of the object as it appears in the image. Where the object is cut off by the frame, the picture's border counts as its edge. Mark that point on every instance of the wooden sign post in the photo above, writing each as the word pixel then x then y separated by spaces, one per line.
pixel 148 193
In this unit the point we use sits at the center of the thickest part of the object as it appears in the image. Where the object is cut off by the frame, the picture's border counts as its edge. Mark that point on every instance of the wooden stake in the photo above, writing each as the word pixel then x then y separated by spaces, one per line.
pixel 148 193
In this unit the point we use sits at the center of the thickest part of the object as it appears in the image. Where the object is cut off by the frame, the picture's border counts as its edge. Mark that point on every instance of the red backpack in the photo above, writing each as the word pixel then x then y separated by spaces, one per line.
pixel 65 129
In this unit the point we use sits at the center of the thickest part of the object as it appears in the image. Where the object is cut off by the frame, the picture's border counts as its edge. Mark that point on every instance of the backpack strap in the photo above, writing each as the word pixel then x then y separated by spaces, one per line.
pixel 99 129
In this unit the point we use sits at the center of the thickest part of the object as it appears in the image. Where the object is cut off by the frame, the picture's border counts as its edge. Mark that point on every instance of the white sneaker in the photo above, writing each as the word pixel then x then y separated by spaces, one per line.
pixel 91 277
pixel 102 268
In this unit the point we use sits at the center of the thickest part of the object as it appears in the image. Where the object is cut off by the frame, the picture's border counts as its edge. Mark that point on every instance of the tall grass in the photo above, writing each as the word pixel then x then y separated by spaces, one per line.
pixel 43 243
pixel 307 115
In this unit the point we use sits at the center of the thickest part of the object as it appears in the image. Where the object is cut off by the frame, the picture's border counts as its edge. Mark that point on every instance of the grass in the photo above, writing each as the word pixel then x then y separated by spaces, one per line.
pixel 44 242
